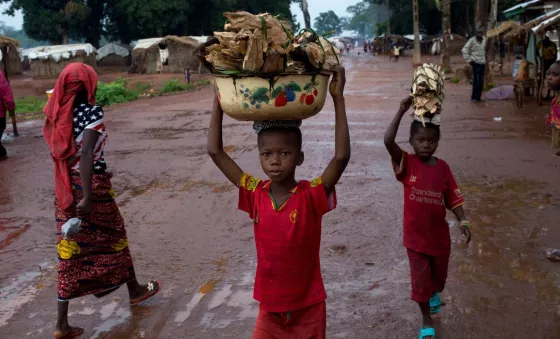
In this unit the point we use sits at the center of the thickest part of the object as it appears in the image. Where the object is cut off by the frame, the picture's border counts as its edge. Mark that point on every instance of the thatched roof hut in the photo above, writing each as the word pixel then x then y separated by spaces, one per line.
pixel 502 29
pixel 520 32
pixel 14 59
pixel 49 61
pixel 456 44
pixel 171 54
pixel 114 54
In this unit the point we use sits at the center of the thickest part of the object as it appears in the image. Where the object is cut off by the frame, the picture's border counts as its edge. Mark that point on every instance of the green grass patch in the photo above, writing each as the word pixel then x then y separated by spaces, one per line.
pixel 30 104
pixel 489 86
pixel 455 80
pixel 110 93
pixel 114 92
pixel 175 85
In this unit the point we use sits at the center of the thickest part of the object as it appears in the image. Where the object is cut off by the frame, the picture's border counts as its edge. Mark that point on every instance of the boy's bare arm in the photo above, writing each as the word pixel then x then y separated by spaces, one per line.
pixel 216 147
pixel 394 150
pixel 338 164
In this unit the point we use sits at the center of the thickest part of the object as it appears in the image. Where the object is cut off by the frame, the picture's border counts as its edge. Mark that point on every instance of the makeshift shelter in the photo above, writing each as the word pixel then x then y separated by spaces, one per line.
pixel 49 61
pixel 456 44
pixel 171 54
pixel 502 29
pixel 114 54
pixel 13 61
pixel 531 35
pixel 530 10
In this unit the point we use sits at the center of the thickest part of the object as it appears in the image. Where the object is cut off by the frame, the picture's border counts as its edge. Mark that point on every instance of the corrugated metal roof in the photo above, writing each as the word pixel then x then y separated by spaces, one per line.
pixel 522 5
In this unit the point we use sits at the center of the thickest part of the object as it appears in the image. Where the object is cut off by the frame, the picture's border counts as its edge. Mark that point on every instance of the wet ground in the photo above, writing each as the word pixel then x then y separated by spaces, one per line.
pixel 184 228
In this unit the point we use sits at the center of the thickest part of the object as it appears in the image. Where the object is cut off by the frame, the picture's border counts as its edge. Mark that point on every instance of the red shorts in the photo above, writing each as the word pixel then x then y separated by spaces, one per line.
pixel 427 273
pixel 306 323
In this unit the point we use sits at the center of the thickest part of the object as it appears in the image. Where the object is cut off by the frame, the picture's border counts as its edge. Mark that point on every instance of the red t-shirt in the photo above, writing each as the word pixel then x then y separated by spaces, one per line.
pixel 428 191
pixel 288 238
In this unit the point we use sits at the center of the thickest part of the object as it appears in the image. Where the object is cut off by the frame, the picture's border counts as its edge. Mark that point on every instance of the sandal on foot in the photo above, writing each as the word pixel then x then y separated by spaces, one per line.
pixel 153 288
pixel 553 254
pixel 74 332
pixel 427 332
pixel 435 304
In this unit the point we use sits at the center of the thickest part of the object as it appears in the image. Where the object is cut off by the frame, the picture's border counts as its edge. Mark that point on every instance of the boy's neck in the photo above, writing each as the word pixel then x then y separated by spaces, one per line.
pixel 430 162
pixel 284 186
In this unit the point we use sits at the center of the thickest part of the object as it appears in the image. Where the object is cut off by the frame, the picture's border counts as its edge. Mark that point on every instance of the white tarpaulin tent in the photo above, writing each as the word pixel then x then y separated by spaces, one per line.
pixel 59 52
pixel 113 49
pixel 49 61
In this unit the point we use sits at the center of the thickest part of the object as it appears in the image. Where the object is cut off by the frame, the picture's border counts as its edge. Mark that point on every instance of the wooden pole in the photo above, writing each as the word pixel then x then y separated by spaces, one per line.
pixel 4 50
pixel 417 59
pixel 388 19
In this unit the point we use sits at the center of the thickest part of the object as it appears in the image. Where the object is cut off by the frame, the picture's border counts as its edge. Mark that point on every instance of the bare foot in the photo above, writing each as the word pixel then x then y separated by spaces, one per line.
pixel 67 333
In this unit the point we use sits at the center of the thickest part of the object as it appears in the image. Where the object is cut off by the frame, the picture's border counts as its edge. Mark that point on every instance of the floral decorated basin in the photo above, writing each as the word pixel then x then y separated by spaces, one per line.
pixel 282 97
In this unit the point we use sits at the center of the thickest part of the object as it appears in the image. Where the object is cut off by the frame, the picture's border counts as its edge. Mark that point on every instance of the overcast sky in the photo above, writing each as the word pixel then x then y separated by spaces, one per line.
pixel 315 7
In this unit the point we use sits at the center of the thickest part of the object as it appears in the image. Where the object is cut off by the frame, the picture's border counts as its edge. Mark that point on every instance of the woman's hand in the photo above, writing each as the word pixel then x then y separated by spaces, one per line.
pixel 405 104
pixel 338 82
pixel 83 209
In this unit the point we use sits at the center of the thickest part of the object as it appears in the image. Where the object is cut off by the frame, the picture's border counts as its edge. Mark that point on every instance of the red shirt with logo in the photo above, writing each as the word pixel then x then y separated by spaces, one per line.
pixel 428 192
pixel 287 238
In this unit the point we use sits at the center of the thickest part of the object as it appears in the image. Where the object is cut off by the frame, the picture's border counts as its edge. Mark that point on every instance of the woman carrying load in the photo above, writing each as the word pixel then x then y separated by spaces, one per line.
pixel 96 260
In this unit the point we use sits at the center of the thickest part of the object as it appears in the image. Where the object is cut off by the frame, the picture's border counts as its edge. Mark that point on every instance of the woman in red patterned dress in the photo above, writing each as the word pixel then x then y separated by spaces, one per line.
pixel 96 260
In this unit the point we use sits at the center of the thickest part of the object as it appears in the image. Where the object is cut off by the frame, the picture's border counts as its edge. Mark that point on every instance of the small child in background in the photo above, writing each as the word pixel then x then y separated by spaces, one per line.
pixel 429 188
pixel 287 218
pixel 553 82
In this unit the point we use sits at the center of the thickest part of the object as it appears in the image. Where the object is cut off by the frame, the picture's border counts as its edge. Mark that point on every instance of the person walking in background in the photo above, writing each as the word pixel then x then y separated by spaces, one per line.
pixel 6 104
pixel 474 53
pixel 96 260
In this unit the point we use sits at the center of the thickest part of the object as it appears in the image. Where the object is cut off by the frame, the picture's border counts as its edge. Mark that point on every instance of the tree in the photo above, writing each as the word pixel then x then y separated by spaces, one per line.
pixel 126 20
pixel 360 19
pixel 305 11
pixel 328 22
pixel 446 25
pixel 51 20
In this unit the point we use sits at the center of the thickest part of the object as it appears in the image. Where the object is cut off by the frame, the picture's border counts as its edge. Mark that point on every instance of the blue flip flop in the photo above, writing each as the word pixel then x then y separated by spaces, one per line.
pixel 435 304
pixel 427 332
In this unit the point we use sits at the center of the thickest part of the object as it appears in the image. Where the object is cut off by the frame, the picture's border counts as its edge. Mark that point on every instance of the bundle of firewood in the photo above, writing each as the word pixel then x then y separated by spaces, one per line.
pixel 263 44
pixel 428 93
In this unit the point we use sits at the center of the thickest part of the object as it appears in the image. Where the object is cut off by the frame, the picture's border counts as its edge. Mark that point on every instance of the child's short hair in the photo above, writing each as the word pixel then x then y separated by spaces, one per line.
pixel 283 126
pixel 287 130
pixel 417 125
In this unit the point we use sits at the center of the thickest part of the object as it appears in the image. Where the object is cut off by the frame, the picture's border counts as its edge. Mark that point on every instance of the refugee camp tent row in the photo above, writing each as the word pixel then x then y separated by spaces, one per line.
pixel 49 61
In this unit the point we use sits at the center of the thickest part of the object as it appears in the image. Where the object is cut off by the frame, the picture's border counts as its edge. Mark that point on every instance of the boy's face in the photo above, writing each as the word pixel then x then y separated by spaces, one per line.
pixel 280 154
pixel 425 142
pixel 553 77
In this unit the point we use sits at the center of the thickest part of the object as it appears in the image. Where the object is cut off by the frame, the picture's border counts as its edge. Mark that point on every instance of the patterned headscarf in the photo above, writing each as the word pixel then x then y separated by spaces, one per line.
pixel 260 126
pixel 57 130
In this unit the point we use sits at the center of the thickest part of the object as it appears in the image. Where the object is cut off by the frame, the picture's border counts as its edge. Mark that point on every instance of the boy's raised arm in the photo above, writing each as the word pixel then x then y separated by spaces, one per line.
pixel 338 164
pixel 216 147
pixel 394 149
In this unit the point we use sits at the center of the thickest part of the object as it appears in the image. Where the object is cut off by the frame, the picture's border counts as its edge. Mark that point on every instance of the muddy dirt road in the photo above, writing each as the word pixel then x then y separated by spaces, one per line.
pixel 184 228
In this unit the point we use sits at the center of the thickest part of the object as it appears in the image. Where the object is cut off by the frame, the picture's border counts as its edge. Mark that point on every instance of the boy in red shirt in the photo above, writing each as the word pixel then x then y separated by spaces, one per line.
pixel 287 220
pixel 429 188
